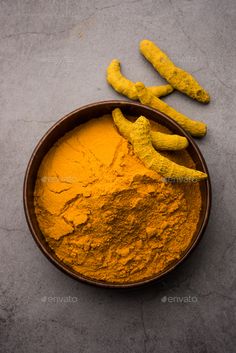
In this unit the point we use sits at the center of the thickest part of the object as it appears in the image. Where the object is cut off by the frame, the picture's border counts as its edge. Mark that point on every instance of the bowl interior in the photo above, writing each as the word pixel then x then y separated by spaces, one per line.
pixel 80 116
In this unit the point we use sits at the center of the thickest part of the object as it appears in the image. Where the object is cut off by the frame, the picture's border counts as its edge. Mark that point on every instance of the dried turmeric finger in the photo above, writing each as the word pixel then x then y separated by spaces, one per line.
pixel 177 77
pixel 126 87
pixel 141 141
pixel 160 91
pixel 159 140
pixel 195 128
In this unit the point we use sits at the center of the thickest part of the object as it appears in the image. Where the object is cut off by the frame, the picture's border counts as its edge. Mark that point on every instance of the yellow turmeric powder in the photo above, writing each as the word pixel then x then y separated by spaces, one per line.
pixel 108 216
pixel 177 77
pixel 126 87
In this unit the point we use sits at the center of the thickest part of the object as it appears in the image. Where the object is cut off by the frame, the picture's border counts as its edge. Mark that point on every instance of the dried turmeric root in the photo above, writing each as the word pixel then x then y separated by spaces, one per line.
pixel 159 140
pixel 177 77
pixel 126 87
pixel 195 128
pixel 142 144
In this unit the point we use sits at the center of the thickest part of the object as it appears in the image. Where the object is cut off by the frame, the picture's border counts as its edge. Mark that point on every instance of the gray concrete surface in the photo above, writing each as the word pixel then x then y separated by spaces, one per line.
pixel 53 58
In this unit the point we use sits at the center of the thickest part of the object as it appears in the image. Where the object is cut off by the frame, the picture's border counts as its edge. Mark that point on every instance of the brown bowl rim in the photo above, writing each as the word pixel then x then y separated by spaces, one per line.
pixel 59 264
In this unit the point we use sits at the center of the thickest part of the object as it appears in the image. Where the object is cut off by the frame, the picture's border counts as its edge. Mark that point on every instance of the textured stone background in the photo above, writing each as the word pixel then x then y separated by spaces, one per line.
pixel 53 58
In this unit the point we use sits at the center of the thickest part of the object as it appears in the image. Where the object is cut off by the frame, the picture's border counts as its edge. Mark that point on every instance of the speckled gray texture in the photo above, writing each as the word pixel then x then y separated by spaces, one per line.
pixel 53 58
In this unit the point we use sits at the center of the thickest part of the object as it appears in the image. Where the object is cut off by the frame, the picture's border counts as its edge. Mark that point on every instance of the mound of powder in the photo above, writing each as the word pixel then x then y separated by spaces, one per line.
pixel 105 214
